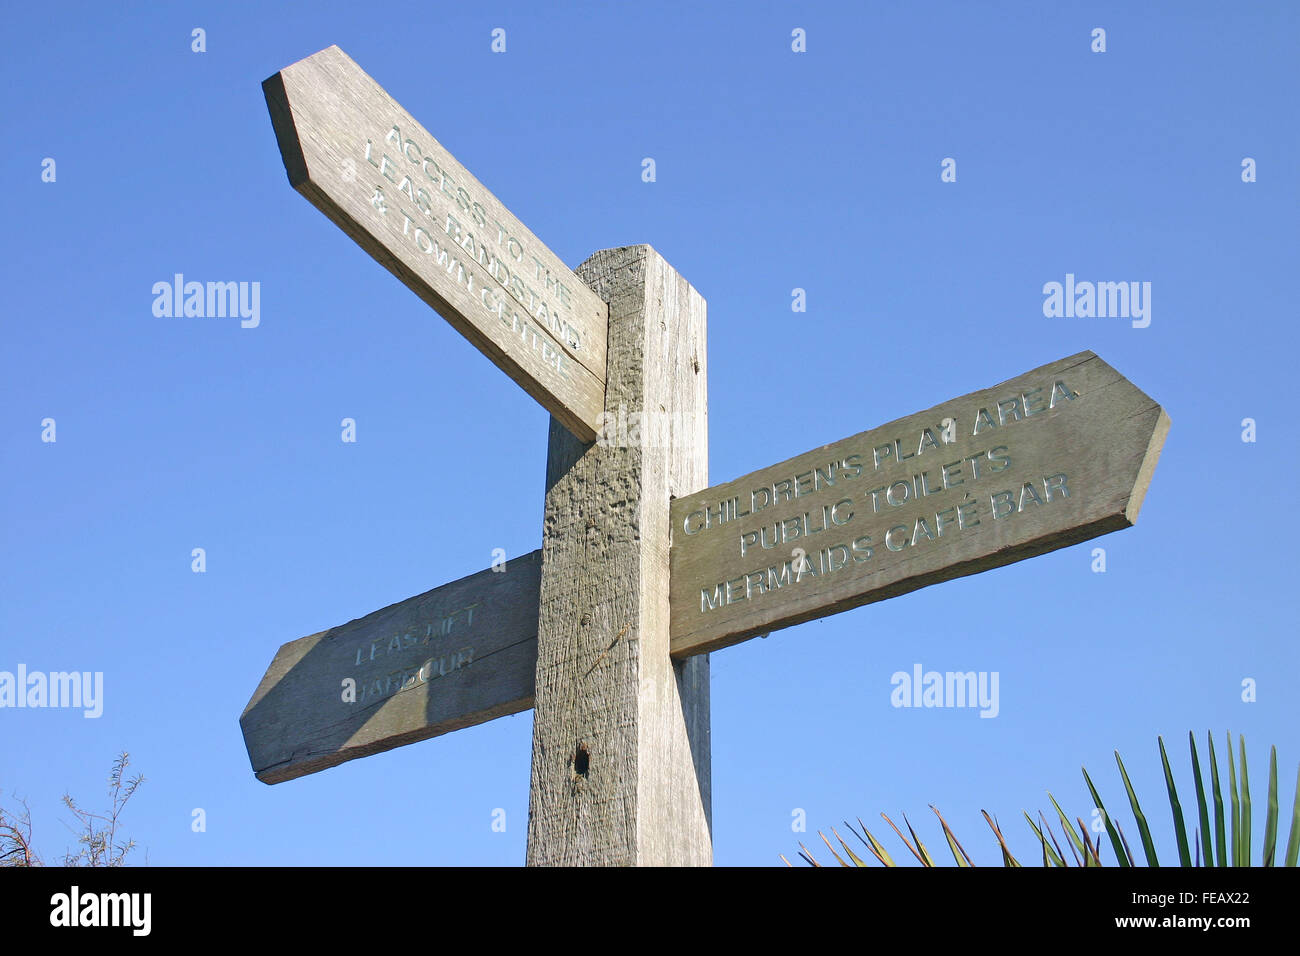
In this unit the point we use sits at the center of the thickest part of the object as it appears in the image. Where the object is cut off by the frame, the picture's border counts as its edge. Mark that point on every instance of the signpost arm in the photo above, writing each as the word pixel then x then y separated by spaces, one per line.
pixel 620 767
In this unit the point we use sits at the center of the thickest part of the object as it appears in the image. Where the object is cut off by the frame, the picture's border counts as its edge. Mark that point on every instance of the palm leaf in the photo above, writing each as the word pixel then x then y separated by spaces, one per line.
pixel 1110 828
pixel 1093 856
pixel 1132 860
pixel 1176 807
pixel 1048 827
pixel 1220 839
pixel 1293 843
pixel 1236 806
pixel 1148 847
pixel 1203 812
pixel 831 848
pixel 1047 850
pixel 872 843
pixel 954 847
pixel 857 860
pixel 1068 827
pixel 928 859
pixel 1245 806
pixel 906 843
pixel 1269 850
pixel 1007 858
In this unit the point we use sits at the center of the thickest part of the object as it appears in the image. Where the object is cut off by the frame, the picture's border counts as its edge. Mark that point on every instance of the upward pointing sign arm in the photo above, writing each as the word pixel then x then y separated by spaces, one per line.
pixel 383 179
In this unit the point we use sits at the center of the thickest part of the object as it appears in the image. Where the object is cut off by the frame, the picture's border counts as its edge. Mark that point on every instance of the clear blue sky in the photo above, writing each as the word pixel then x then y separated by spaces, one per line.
pixel 775 170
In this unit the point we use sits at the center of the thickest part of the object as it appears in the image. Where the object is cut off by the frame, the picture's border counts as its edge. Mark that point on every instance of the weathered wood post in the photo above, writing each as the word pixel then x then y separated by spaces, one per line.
pixel 620 771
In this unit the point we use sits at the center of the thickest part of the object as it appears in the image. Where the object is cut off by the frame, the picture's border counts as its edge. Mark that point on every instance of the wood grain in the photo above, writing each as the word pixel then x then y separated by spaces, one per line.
pixel 607 693
pixel 413 677
pixel 481 269
pixel 1105 442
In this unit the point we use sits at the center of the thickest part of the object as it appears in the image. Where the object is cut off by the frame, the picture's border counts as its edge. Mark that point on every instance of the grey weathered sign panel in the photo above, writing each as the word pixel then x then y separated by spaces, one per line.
pixel 1059 455
pixel 452 657
pixel 382 178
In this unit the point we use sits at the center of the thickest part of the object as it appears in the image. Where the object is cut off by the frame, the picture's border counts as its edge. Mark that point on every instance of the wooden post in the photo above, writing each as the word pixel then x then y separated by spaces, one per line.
pixel 620 769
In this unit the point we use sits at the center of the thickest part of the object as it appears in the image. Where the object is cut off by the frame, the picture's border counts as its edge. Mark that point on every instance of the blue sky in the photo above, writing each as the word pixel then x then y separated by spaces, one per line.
pixel 775 170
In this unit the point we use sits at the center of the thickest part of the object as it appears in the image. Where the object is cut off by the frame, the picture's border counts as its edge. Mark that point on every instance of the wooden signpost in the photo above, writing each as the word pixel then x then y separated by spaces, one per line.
pixel 643 570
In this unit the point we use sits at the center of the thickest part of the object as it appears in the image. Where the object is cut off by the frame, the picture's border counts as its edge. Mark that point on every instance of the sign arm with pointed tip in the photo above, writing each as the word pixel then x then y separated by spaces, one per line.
pixel 382 178
pixel 456 656
pixel 1057 456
